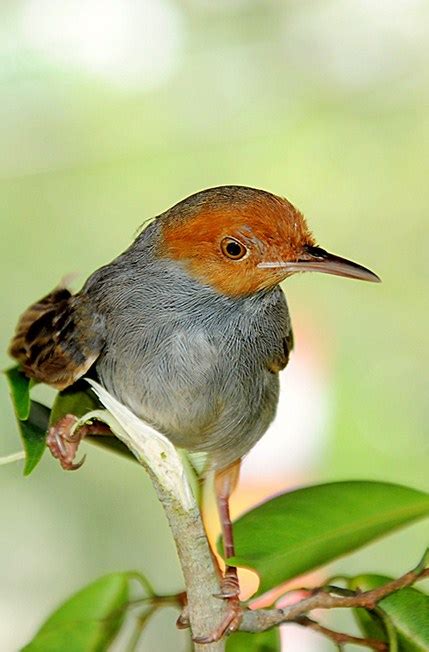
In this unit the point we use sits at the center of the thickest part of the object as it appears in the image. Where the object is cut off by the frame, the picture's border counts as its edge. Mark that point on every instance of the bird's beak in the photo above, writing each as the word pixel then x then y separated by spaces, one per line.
pixel 315 259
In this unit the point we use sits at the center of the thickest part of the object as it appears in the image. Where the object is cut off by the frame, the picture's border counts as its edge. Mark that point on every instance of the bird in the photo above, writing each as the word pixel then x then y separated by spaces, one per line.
pixel 189 328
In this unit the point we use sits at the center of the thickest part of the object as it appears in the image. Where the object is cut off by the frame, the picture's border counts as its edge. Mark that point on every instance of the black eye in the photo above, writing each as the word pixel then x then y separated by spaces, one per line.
pixel 233 249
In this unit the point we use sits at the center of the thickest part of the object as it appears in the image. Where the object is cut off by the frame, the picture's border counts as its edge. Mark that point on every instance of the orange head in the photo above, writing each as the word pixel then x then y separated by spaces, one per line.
pixel 241 240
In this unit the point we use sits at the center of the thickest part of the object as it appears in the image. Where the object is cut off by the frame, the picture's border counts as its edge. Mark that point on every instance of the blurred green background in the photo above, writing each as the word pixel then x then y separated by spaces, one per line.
pixel 111 112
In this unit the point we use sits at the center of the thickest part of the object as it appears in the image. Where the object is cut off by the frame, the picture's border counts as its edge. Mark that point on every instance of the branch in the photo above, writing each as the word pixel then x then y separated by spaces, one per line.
pixel 330 597
pixel 165 468
pixel 340 638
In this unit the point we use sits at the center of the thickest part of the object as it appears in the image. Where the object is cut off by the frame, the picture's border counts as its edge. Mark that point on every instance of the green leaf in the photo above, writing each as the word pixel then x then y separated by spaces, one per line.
pixel 268 641
pixel 32 418
pixel 370 624
pixel 408 610
pixel 88 621
pixel 299 531
pixel 19 387
pixel 33 434
pixel 77 400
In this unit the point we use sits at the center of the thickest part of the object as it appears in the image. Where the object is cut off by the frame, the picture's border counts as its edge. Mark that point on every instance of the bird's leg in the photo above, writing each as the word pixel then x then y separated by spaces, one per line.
pixel 225 483
pixel 63 443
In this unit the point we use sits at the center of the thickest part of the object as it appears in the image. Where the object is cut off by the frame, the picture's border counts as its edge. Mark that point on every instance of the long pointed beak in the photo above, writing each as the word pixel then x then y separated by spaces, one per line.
pixel 315 259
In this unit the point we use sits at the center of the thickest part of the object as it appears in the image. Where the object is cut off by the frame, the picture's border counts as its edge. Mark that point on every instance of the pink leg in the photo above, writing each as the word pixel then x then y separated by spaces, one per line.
pixel 225 483
pixel 63 445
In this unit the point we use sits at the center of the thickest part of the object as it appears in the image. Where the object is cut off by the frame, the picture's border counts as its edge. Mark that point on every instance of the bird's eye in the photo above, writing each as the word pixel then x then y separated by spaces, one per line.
pixel 233 249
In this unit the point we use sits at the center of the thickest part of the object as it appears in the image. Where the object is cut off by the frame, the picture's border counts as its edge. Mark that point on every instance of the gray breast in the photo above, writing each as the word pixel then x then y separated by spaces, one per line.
pixel 189 361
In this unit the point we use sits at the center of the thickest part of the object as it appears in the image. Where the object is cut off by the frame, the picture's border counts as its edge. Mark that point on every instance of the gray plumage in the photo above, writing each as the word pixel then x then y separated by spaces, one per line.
pixel 195 364
pixel 198 364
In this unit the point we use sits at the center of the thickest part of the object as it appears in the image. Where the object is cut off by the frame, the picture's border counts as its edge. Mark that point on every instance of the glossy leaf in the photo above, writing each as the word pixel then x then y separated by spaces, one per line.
pixel 33 434
pixel 32 418
pixel 370 624
pixel 299 531
pixel 19 387
pixel 88 621
pixel 408 610
pixel 268 641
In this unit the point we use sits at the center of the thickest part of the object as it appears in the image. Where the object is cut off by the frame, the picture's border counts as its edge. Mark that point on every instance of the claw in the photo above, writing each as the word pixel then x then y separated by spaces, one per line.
pixel 73 438
pixel 230 623
pixel 62 445
pixel 224 596
pixel 230 591
pixel 183 620
pixel 77 465
pixel 64 438
pixel 230 586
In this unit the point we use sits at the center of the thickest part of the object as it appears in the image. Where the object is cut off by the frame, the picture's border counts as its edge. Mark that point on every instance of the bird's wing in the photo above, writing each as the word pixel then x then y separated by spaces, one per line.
pixel 288 343
pixel 58 338
pixel 280 361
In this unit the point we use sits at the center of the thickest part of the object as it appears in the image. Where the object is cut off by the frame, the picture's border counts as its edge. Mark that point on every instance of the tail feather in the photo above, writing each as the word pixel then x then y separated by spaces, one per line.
pixel 58 338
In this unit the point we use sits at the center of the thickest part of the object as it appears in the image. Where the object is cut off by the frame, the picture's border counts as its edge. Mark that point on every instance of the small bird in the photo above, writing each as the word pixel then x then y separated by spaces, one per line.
pixel 188 328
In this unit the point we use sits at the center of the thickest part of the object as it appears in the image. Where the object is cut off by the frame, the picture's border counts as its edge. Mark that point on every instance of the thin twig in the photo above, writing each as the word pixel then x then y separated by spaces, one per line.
pixel 144 582
pixel 261 619
pixel 141 622
pixel 159 601
pixel 326 597
pixel 339 638
pixel 14 457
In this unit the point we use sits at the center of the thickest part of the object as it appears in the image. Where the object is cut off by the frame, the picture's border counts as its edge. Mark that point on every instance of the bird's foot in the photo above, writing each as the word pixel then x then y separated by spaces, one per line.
pixel 183 621
pixel 230 591
pixel 230 586
pixel 64 443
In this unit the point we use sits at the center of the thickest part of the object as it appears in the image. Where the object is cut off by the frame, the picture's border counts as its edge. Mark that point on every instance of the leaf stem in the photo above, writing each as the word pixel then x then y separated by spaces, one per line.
pixel 159 601
pixel 144 582
pixel 141 623
pixel 14 457
pixel 340 638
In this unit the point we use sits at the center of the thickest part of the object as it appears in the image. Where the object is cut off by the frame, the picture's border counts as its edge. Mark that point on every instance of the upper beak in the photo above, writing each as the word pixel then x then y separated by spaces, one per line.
pixel 315 259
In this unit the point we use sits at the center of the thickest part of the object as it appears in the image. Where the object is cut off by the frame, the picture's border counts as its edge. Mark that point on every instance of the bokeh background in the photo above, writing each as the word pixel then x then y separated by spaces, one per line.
pixel 111 112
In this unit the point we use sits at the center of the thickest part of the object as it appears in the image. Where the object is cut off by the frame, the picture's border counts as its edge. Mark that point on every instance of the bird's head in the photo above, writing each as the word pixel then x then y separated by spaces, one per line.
pixel 241 240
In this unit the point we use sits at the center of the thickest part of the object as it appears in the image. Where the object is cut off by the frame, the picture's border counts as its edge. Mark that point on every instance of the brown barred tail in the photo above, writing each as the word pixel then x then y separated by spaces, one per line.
pixel 58 338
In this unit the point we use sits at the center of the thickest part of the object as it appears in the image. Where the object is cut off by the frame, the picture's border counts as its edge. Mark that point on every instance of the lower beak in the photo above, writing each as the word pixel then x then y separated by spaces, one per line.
pixel 315 259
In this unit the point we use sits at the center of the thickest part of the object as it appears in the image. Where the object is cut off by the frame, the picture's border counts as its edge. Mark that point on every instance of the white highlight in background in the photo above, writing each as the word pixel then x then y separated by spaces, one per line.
pixel 131 42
